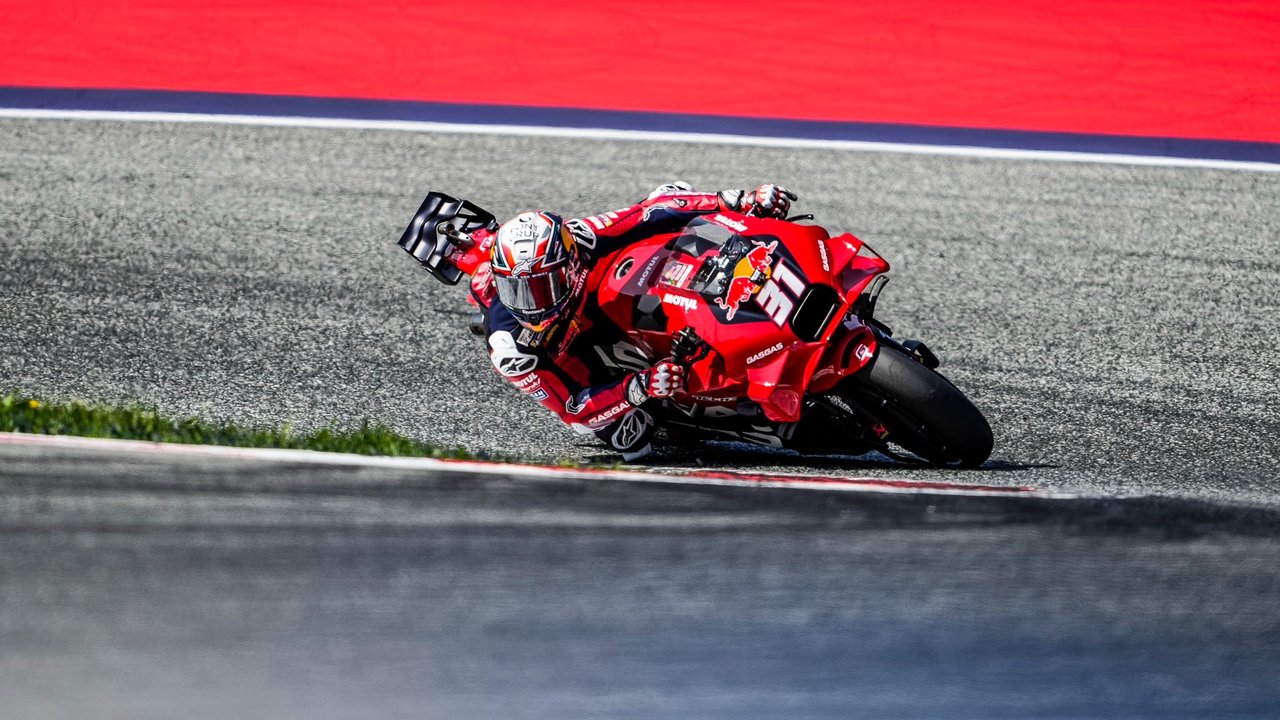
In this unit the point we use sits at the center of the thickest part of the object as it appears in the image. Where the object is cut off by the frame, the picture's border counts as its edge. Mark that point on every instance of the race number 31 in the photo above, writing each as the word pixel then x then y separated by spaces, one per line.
pixel 777 297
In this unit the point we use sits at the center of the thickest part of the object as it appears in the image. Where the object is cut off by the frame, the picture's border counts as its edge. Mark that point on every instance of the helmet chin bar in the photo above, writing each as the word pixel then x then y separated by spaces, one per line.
pixel 542 320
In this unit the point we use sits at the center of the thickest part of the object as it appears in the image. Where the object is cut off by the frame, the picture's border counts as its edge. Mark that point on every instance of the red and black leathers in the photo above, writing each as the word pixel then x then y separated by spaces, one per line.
pixel 582 369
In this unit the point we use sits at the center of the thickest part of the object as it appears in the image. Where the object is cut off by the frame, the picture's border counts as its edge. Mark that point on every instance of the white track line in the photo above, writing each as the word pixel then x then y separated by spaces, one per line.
pixel 429 465
pixel 641 135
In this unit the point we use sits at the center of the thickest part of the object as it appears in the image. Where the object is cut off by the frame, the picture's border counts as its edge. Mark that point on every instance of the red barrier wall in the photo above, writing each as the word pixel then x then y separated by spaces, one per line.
pixel 1183 68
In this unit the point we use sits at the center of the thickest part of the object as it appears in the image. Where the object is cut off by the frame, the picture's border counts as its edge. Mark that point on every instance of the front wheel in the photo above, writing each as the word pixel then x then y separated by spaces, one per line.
pixel 921 410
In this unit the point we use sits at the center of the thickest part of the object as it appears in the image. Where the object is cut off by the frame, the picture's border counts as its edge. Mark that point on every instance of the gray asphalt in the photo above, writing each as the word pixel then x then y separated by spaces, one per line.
pixel 1116 324
pixel 158 587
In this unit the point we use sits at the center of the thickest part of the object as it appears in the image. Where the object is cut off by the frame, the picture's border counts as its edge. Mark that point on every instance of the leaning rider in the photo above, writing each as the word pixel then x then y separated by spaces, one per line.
pixel 547 335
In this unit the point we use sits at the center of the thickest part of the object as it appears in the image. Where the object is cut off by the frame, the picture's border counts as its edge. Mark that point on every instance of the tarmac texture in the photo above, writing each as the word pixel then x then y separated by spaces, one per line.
pixel 1116 324
pixel 144 586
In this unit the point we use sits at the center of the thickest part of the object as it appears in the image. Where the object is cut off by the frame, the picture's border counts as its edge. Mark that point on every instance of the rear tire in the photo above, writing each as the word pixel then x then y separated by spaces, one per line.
pixel 923 412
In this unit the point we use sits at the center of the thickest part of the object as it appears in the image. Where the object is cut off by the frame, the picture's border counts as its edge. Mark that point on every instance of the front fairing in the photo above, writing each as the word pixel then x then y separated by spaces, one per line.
pixel 769 296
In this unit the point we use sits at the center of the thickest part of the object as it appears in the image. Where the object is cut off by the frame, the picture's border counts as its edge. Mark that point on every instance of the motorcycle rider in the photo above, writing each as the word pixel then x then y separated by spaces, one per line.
pixel 548 337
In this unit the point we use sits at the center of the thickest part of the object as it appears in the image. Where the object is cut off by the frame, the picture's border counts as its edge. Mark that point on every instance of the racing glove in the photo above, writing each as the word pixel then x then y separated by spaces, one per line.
pixel 766 201
pixel 678 186
pixel 664 379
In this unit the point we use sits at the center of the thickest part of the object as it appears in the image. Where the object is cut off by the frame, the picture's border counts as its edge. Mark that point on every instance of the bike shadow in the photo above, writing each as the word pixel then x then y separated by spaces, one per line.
pixel 744 456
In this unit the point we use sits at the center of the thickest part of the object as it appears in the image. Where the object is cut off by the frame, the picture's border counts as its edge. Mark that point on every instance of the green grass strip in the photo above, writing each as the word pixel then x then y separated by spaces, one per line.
pixel 22 413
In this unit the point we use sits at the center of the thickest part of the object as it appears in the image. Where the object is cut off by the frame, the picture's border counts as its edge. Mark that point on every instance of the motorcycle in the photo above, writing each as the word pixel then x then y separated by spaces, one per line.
pixel 775 323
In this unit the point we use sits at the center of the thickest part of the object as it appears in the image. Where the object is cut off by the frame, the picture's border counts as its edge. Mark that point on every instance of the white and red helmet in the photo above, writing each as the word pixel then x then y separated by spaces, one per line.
pixel 534 268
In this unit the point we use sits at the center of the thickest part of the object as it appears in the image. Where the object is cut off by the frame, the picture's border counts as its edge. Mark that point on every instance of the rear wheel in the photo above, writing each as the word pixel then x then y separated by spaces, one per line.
pixel 921 410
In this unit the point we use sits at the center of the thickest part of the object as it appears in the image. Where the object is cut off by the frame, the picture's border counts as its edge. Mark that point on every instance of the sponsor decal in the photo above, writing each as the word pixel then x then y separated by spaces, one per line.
pixel 743 283
pixel 513 365
pixel 676 273
pixel 527 383
pixel 680 301
pixel 539 395
pixel 507 357
pixel 481 279
pixel 630 431
pixel 635 391
pixel 822 252
pixel 582 233
pixel 764 353
pixel 524 229
pixel 648 270
pixel 526 244
pixel 776 301
pixel 708 398
pixel 602 221
pixel 863 352
pixel 524 267
pixel 729 223
pixel 609 414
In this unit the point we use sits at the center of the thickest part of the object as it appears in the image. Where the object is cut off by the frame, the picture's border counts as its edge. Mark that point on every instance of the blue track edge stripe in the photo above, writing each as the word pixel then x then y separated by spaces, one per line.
pixel 360 109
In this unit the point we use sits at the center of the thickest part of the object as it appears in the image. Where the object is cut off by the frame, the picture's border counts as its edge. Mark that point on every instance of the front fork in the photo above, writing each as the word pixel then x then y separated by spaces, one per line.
pixel 864 309
pixel 915 349
pixel 830 408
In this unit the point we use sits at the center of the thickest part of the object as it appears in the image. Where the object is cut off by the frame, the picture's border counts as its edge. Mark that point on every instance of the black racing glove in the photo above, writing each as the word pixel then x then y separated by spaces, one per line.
pixel 766 201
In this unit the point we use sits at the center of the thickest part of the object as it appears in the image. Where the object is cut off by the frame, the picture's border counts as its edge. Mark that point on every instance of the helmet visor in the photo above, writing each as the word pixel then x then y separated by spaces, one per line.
pixel 532 293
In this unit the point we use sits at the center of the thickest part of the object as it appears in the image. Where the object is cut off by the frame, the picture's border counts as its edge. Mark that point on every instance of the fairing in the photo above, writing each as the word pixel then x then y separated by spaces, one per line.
pixel 770 297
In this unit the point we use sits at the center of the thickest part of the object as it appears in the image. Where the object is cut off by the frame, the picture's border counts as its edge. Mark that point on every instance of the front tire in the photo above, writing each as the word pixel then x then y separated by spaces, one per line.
pixel 923 412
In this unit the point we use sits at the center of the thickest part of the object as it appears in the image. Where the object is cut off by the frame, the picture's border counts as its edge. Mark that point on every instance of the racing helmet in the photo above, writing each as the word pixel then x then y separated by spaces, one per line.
pixel 534 268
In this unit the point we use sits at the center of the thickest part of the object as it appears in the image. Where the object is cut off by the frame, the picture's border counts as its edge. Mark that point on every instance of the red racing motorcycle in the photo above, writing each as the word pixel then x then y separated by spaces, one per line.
pixel 775 323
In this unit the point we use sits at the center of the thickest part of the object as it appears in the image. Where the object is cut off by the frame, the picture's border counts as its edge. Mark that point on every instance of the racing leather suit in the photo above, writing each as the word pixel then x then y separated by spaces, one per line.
pixel 582 368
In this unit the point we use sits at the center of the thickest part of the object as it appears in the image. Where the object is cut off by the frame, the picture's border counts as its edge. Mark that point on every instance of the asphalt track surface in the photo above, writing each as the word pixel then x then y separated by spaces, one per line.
pixel 141 585
pixel 1115 323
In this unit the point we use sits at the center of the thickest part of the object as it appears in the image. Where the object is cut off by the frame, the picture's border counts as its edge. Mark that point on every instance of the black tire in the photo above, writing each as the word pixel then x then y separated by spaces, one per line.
pixel 923 412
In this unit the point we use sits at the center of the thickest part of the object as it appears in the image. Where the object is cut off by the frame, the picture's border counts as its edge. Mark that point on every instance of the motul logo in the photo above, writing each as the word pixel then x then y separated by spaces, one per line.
pixel 680 301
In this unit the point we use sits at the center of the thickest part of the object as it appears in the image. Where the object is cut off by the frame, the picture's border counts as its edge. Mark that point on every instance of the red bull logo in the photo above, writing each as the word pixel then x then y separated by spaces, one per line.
pixel 750 272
